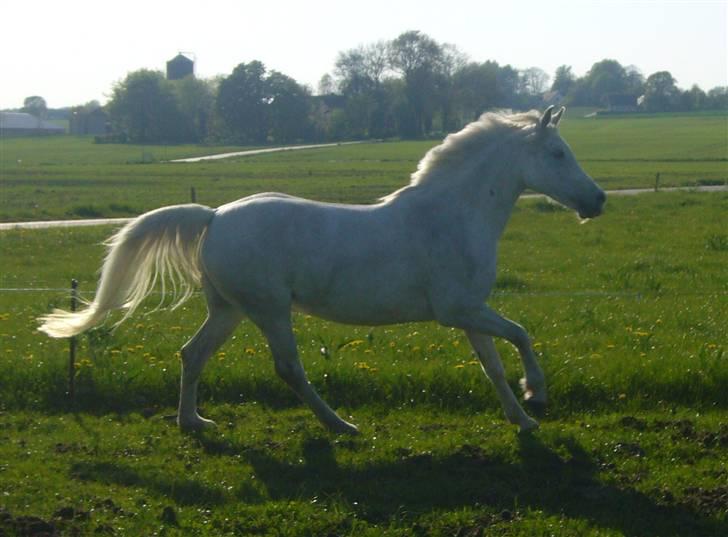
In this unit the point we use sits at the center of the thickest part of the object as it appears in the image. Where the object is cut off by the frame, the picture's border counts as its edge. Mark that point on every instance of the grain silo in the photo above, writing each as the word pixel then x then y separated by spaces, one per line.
pixel 179 67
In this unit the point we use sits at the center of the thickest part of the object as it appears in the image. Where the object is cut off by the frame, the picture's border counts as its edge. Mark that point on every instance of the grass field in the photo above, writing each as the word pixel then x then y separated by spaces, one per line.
pixel 627 314
pixel 67 177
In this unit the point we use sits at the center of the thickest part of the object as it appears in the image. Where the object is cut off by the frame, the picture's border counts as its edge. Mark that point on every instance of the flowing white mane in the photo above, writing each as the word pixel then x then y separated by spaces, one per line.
pixel 459 147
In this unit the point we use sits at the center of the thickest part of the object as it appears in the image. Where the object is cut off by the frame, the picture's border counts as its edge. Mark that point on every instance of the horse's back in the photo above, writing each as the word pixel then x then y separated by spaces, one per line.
pixel 344 262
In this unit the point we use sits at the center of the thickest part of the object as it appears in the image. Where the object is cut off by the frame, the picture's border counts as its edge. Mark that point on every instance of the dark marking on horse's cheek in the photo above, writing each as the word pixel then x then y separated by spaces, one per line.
pixel 492 192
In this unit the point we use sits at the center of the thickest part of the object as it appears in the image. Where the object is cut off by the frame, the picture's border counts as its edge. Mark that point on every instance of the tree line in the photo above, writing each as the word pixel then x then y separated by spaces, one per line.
pixel 409 87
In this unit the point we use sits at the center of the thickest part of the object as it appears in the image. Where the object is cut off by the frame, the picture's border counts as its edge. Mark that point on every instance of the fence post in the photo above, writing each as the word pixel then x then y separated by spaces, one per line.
pixel 193 194
pixel 657 181
pixel 72 347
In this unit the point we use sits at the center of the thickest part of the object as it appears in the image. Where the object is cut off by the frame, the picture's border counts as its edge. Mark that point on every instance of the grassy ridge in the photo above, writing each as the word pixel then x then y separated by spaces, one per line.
pixel 74 178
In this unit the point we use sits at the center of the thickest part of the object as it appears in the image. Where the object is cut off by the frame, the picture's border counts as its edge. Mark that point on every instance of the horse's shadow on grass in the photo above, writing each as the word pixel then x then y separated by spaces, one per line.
pixel 416 484
pixel 538 479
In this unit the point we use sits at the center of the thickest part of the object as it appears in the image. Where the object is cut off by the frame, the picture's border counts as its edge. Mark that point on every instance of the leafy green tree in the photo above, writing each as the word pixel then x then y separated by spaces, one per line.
pixel 35 105
pixel 196 101
pixel 634 80
pixel 418 58
pixel 564 79
pixel 257 106
pixel 477 90
pixel 605 78
pixel 717 98
pixel 288 108
pixel 144 107
pixel 661 92
pixel 242 100
pixel 693 99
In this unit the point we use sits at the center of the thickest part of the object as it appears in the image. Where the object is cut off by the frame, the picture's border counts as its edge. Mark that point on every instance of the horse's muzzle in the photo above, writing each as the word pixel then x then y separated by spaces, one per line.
pixel 594 209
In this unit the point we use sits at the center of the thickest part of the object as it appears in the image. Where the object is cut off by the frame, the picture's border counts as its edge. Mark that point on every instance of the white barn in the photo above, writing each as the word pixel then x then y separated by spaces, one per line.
pixel 20 123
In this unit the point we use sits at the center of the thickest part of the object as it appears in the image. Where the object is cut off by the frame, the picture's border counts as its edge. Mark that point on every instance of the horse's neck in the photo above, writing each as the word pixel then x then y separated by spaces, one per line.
pixel 481 201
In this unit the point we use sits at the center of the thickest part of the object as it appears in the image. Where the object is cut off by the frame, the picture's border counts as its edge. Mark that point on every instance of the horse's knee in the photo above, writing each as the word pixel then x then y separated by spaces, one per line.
pixel 519 337
pixel 292 373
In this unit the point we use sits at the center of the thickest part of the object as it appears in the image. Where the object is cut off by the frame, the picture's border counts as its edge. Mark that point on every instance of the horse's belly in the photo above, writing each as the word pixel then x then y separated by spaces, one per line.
pixel 366 312
pixel 371 299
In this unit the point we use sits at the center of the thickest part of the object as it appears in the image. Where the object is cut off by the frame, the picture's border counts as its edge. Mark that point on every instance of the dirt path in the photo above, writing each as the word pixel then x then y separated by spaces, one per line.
pixel 252 152
pixel 108 221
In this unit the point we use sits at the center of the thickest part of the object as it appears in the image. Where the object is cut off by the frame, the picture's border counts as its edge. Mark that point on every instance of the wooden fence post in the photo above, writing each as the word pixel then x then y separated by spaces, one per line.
pixel 657 181
pixel 72 347
pixel 193 194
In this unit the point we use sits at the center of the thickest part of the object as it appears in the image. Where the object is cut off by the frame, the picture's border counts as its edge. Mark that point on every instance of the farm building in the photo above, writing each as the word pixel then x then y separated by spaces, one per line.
pixel 95 121
pixel 179 67
pixel 22 124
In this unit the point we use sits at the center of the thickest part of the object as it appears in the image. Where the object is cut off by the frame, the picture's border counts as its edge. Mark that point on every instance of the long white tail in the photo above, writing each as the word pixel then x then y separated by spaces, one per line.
pixel 159 245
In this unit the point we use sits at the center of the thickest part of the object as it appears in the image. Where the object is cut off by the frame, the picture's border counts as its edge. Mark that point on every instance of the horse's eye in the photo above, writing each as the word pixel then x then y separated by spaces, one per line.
pixel 559 153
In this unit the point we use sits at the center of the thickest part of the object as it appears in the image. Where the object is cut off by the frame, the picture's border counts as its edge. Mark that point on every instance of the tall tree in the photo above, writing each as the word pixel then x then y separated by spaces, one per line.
pixel 417 57
pixel 35 105
pixel 605 78
pixel 242 101
pixel 288 108
pixel 257 106
pixel 144 107
pixel 661 93
pixel 196 101
pixel 476 90
pixel 563 80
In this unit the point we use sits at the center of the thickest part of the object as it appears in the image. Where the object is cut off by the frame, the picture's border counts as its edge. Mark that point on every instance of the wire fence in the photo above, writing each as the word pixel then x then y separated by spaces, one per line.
pixel 495 292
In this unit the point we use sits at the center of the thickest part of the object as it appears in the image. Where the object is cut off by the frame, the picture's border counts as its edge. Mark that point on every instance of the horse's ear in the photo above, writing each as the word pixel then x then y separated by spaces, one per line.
pixel 546 117
pixel 557 116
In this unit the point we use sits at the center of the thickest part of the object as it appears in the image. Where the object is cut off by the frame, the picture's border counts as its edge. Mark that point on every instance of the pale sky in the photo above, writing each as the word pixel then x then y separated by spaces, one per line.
pixel 73 51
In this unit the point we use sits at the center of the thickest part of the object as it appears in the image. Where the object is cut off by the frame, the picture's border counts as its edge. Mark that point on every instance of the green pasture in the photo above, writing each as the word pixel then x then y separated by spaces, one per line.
pixel 627 313
pixel 71 177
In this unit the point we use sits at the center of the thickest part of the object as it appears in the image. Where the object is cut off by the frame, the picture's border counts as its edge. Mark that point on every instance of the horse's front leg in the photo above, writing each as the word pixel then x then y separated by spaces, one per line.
pixel 493 368
pixel 534 381
pixel 482 321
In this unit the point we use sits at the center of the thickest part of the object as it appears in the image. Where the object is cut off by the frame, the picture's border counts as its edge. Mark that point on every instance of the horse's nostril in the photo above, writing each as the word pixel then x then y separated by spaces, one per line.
pixel 601 197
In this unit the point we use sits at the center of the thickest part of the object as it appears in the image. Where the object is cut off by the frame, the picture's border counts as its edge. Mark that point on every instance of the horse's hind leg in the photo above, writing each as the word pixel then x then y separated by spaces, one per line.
pixel 282 342
pixel 221 320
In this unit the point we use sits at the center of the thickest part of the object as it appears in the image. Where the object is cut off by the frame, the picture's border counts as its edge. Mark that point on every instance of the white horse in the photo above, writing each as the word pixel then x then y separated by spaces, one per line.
pixel 424 252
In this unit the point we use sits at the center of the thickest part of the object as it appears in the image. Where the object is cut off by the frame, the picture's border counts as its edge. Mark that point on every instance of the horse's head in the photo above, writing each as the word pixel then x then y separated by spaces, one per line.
pixel 550 168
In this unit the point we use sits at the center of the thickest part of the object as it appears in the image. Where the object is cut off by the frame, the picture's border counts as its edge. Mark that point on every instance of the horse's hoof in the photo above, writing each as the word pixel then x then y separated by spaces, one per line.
pixel 195 425
pixel 344 427
pixel 528 426
pixel 536 408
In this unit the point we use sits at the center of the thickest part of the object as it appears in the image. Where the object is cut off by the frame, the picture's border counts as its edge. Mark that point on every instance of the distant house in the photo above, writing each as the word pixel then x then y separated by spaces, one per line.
pixel 179 67
pixel 621 102
pixel 95 121
pixel 22 124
